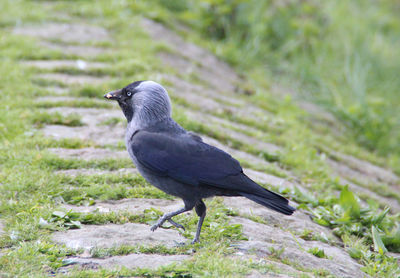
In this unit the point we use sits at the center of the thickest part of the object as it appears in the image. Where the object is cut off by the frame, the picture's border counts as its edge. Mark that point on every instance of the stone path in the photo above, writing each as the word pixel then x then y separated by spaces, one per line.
pixel 216 93
pixel 54 64
pixel 112 235
pixel 262 238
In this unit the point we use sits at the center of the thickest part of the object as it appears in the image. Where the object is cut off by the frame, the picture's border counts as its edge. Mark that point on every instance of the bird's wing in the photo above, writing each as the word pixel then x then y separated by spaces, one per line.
pixel 184 159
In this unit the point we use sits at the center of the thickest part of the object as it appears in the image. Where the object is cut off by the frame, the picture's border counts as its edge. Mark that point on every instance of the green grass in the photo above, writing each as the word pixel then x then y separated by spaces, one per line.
pixel 320 253
pixel 125 250
pixel 44 118
pixel 83 103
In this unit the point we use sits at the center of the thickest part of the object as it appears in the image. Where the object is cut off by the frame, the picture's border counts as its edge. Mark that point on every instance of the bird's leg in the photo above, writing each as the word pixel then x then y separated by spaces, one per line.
pixel 201 212
pixel 168 216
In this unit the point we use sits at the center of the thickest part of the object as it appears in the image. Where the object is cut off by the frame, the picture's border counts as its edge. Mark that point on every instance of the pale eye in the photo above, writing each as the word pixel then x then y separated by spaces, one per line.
pixel 128 94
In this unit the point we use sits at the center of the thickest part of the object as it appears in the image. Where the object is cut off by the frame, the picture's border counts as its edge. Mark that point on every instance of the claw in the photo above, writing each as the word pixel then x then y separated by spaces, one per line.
pixel 154 227
pixel 177 225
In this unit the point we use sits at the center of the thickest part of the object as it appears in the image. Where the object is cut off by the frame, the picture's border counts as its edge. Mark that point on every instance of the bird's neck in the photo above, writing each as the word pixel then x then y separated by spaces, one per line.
pixel 163 125
pixel 138 123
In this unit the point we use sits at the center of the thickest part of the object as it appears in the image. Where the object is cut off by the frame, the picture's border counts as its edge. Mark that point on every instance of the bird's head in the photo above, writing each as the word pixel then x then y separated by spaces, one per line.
pixel 142 101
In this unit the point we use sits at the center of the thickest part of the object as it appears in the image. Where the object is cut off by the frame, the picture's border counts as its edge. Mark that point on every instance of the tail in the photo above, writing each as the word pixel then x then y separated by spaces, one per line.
pixel 268 199
pixel 278 205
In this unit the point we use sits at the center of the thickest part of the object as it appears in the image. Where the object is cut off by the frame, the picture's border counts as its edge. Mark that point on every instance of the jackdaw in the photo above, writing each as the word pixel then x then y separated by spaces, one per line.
pixel 177 161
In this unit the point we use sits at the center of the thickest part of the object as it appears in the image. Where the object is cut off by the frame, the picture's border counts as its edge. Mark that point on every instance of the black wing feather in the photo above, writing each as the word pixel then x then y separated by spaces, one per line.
pixel 183 158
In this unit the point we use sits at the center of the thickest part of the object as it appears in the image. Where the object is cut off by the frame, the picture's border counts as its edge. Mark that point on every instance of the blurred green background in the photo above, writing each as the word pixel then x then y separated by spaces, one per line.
pixel 343 55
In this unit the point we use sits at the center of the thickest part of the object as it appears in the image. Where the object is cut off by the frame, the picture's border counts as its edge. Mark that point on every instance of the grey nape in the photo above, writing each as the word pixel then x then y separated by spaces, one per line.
pixel 179 162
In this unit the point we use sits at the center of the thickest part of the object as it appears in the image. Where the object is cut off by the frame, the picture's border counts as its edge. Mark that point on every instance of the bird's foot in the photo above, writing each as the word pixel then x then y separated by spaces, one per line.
pixel 154 227
pixel 177 225
pixel 195 240
pixel 157 225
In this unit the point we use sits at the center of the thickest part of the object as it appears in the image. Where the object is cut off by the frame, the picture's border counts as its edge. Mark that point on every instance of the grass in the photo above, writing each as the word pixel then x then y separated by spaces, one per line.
pixel 83 103
pixel 317 252
pixel 44 118
pixel 30 192
pixel 125 250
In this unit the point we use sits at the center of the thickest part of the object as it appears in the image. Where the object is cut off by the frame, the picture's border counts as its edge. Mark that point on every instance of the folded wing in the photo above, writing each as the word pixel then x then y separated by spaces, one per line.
pixel 183 158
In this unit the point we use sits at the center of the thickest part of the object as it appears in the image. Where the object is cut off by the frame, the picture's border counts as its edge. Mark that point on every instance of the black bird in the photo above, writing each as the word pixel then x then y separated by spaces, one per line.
pixel 177 161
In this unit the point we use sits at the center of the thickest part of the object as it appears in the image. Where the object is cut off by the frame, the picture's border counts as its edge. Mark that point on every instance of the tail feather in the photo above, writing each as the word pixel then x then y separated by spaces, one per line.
pixel 267 198
pixel 246 187
pixel 278 205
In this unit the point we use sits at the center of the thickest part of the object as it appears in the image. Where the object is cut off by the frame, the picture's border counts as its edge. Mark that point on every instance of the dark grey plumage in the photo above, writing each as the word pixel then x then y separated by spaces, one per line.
pixel 179 162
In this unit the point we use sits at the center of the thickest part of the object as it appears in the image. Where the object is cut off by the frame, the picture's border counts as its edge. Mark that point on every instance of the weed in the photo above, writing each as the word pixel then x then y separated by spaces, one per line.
pixel 317 252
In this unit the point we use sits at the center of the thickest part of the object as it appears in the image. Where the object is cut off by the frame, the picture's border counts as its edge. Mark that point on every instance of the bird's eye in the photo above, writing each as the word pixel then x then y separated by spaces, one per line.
pixel 128 94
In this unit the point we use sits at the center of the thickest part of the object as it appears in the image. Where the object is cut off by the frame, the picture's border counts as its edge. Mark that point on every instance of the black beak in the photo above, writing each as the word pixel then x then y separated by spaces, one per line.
pixel 115 95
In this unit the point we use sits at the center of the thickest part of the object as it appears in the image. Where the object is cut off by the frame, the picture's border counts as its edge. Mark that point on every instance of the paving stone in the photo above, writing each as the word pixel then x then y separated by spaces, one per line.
pixel 65 32
pixel 206 75
pixel 91 116
pixel 181 86
pixel 73 79
pixel 65 99
pixel 112 235
pixel 367 168
pixel 271 179
pixel 256 274
pixel 56 90
pixel 345 171
pixel 207 67
pixel 262 238
pixel 233 125
pixel 206 99
pixel 93 130
pixel 54 64
pixel 133 205
pixel 288 270
pixel 212 121
pixel 297 223
pixel 1 228
pixel 78 50
pixel 89 153
pixel 91 172
pixel 204 103
pixel 99 136
pixel 131 261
